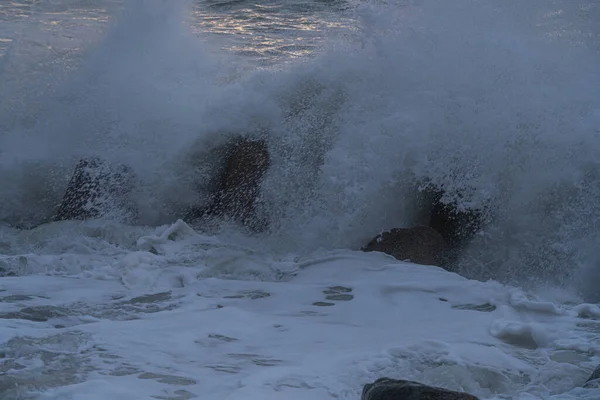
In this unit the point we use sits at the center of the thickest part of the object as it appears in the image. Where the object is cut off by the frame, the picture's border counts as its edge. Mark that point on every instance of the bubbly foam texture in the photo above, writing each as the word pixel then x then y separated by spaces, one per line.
pixel 472 96
pixel 151 328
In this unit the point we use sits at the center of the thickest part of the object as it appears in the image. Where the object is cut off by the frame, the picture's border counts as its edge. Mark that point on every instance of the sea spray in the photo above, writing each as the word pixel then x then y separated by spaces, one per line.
pixel 472 96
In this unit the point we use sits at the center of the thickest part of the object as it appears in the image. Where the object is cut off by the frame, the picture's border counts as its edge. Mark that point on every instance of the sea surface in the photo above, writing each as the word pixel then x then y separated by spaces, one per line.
pixel 362 103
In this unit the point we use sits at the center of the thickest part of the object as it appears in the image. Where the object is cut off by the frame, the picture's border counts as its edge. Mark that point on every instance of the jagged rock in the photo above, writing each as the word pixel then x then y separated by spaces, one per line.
pixel 420 245
pixel 96 189
pixel 393 389
pixel 237 184
pixel 594 380
pixel 458 226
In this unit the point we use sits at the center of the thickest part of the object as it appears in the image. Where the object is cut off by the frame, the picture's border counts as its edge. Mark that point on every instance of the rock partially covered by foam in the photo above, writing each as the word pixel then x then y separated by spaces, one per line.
pixel 97 189
pixel 237 184
pixel 447 229
pixel 6 272
pixel 420 245
pixel 393 389
pixel 594 380
pixel 458 225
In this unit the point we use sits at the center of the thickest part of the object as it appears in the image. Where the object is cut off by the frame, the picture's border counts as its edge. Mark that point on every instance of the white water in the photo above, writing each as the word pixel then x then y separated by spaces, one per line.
pixel 232 323
pixel 468 95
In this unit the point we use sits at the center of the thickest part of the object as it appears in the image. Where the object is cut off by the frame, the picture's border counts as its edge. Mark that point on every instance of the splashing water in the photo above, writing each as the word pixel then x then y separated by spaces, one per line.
pixel 362 104
pixel 473 96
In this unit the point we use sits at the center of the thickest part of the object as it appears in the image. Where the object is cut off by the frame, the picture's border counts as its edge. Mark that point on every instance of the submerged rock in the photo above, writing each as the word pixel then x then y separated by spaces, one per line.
pixel 420 245
pixel 393 389
pixel 237 184
pixel 6 272
pixel 96 189
pixel 594 379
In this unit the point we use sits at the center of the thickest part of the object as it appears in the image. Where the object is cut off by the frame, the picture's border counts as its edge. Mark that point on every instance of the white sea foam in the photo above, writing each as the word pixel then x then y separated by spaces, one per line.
pixel 322 329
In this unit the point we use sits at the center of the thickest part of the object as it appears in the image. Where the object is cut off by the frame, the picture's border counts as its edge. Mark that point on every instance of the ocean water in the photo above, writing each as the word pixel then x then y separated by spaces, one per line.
pixel 361 103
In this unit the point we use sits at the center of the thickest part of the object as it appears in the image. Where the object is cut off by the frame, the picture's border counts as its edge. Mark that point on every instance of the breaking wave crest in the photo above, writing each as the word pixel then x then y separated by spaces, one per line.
pixel 472 97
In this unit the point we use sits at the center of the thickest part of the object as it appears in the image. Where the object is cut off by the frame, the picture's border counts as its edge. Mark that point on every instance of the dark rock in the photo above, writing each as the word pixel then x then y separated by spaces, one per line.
pixel 96 190
pixel 594 380
pixel 6 272
pixel 420 245
pixel 237 184
pixel 393 389
pixel 457 225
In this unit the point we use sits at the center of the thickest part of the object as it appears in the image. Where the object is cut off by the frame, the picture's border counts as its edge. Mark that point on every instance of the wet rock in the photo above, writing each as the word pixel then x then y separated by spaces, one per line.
pixel 237 184
pixel 96 190
pixel 6 272
pixel 420 245
pixel 457 226
pixel 393 389
pixel 594 380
